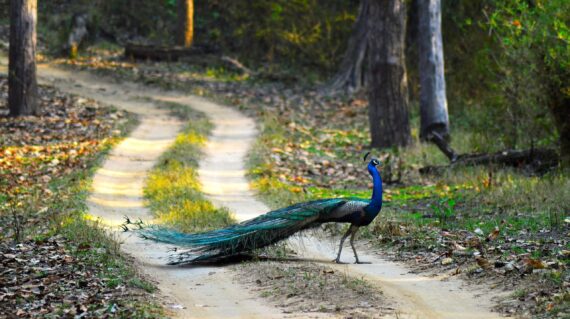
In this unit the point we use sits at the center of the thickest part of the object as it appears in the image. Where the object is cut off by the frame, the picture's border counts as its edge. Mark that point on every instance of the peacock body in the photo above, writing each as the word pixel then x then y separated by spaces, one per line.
pixel 273 226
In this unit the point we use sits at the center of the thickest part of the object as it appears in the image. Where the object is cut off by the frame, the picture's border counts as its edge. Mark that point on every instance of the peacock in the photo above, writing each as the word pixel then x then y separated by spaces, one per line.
pixel 273 226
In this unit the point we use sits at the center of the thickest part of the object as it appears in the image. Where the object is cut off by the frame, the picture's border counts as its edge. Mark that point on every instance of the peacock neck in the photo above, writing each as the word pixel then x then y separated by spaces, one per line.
pixel 376 201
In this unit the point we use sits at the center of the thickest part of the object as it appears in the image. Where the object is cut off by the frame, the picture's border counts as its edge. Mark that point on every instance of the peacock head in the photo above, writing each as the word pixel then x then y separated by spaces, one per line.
pixel 373 163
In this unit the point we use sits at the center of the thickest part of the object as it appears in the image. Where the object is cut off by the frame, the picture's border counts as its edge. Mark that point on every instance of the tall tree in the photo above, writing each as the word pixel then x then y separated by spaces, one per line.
pixel 388 91
pixel 350 75
pixel 22 83
pixel 185 22
pixel 433 102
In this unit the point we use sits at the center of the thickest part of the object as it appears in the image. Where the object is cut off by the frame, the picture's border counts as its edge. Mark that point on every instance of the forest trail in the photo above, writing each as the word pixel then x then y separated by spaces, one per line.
pixel 188 292
pixel 208 292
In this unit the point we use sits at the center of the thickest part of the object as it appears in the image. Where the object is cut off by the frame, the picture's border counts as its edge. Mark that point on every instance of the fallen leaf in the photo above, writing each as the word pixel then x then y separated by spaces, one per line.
pixel 483 262
pixel 534 263
pixel 494 234
pixel 446 261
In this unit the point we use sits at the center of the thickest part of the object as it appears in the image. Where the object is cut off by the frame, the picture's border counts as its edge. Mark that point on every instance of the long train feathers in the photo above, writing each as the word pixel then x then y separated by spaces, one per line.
pixel 256 233
pixel 272 227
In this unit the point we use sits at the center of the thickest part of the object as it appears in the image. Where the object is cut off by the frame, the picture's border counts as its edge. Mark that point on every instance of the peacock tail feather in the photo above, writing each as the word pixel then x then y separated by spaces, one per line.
pixel 252 234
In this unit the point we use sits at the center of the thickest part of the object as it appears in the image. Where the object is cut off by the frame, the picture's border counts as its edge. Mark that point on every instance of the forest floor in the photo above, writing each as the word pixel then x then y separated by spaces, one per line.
pixel 302 154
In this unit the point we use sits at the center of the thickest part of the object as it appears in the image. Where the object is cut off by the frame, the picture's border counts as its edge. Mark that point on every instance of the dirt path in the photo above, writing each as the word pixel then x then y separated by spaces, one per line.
pixel 222 170
pixel 208 291
pixel 189 292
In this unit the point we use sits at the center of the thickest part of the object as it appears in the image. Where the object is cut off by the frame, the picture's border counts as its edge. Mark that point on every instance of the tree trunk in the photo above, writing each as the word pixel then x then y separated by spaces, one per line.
pixel 388 99
pixel 22 84
pixel 350 77
pixel 433 103
pixel 559 106
pixel 185 22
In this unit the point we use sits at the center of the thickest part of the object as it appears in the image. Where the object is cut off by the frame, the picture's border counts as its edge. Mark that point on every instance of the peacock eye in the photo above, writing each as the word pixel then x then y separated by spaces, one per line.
pixel 375 162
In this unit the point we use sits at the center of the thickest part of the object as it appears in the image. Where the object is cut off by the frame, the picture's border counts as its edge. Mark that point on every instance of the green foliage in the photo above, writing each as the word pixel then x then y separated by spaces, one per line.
pixel 541 27
pixel 500 76
pixel 444 210
pixel 534 52
pixel 301 32
pixel 141 18
pixel 119 20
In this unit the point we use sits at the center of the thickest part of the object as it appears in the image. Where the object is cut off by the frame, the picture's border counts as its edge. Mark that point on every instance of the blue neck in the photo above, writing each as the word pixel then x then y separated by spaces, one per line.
pixel 376 201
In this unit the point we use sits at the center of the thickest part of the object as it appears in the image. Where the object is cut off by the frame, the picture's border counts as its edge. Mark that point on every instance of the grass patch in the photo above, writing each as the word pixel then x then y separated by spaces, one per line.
pixel 172 187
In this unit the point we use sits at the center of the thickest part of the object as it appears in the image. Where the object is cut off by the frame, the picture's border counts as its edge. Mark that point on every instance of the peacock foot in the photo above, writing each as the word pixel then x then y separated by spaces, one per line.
pixel 362 262
pixel 338 261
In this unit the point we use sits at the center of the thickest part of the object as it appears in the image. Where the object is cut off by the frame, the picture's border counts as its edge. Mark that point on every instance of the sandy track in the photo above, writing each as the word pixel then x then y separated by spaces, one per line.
pixel 208 291
pixel 188 292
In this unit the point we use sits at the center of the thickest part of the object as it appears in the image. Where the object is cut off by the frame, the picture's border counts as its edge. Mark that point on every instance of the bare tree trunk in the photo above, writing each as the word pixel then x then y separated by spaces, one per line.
pixel 433 102
pixel 185 22
pixel 559 106
pixel 350 77
pixel 388 99
pixel 22 84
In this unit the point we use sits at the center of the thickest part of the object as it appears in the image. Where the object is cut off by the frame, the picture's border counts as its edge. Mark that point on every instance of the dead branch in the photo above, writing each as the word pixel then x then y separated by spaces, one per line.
pixel 237 65
pixel 537 161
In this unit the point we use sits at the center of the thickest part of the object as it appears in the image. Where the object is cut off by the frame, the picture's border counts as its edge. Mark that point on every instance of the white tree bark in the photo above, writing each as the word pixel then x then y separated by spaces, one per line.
pixel 433 101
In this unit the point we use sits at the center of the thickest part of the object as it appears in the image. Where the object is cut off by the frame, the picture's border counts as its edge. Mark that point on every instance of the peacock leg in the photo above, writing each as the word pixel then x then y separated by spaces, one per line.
pixel 354 249
pixel 348 232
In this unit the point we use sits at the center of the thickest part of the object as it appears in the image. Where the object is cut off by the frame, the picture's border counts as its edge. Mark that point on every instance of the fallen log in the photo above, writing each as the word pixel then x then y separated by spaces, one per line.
pixel 536 161
pixel 162 53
